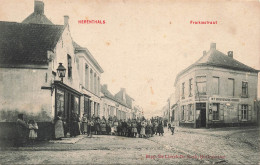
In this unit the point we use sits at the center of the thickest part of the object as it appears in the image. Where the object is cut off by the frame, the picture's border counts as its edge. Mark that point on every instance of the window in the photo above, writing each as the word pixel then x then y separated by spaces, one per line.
pixel 244 89
pixel 86 77
pixel 215 86
pixel 183 90
pixel 69 66
pixel 91 80
pixel 190 87
pixel 98 84
pixel 231 87
pixel 190 112
pixel 60 102
pixel 95 83
pixel 215 110
pixel 182 116
pixel 201 85
pixel 244 109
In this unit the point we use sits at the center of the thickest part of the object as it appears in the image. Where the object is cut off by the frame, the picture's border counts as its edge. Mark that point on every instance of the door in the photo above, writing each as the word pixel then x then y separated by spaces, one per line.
pixel 203 117
pixel 201 114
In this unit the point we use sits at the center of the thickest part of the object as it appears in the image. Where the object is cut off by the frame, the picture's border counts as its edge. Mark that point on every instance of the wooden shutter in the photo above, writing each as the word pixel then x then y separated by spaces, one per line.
pixel 221 112
pixel 239 112
pixel 249 117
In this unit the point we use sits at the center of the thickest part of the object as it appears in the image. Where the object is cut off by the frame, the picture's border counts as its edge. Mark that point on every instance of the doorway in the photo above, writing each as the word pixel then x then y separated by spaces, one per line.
pixel 201 121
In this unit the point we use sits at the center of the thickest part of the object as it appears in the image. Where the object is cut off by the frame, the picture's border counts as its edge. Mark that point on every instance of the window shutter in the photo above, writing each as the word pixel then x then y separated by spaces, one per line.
pixel 249 112
pixel 239 112
pixel 221 112
pixel 192 110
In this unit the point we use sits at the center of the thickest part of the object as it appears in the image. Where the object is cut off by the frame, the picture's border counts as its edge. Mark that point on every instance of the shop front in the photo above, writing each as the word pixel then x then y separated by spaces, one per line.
pixel 67 101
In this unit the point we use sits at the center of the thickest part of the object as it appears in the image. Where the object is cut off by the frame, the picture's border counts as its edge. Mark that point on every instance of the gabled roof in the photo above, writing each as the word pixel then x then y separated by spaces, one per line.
pixel 79 48
pixel 218 59
pixel 27 43
pixel 37 19
pixel 108 94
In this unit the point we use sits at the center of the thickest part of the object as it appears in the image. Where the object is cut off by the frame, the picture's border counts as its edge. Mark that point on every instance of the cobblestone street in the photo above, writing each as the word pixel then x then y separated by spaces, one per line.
pixel 186 146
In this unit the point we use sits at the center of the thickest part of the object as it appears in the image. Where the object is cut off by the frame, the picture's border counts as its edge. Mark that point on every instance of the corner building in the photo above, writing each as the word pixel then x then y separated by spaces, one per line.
pixel 216 91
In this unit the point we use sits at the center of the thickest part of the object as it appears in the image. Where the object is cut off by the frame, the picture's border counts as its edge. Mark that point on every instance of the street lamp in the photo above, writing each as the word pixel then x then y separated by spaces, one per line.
pixel 61 71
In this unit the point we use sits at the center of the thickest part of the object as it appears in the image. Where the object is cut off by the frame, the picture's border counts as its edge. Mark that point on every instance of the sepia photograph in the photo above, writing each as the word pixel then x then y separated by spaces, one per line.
pixel 129 82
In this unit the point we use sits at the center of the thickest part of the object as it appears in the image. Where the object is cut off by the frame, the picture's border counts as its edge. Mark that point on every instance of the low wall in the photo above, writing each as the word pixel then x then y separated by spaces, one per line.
pixel 8 130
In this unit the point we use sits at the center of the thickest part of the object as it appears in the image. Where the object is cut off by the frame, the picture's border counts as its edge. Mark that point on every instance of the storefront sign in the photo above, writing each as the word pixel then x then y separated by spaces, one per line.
pixel 222 99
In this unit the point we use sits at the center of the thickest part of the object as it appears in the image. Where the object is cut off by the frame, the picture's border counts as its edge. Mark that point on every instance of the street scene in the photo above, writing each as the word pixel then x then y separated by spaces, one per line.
pixel 127 82
pixel 235 146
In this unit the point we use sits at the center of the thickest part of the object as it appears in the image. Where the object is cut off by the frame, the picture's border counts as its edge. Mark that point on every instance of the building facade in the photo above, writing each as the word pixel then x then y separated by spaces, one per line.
pixel 30 53
pixel 217 90
pixel 90 76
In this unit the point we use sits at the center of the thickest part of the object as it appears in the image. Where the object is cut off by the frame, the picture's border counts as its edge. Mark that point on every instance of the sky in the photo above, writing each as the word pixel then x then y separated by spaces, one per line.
pixel 144 44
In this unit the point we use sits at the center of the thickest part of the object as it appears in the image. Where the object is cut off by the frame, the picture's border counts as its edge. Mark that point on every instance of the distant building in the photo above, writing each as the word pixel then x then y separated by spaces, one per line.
pixel 117 106
pixel 217 90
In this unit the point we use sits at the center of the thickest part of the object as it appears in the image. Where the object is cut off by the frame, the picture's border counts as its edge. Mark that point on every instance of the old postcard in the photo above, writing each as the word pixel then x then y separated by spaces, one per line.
pixel 129 82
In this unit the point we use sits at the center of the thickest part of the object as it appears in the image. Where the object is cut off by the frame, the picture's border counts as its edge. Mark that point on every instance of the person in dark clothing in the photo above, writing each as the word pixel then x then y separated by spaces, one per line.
pixel 74 125
pixel 22 131
pixel 160 128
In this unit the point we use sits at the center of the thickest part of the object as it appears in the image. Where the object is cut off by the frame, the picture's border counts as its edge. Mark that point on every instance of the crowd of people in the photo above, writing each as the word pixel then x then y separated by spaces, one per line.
pixel 139 127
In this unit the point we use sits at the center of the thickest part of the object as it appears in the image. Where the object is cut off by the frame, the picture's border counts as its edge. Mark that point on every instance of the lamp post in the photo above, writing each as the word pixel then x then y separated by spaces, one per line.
pixel 61 71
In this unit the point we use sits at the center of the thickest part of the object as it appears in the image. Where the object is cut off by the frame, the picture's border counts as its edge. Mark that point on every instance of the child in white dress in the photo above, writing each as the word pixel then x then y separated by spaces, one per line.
pixel 32 127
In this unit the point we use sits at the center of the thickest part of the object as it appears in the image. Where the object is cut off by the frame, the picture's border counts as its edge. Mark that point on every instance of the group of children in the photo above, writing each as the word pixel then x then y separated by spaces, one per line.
pixel 129 128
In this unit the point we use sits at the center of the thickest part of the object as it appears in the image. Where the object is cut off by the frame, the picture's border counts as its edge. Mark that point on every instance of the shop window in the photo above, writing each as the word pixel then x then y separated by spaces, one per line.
pixel 215 86
pixel 190 87
pixel 215 111
pixel 201 85
pixel 60 102
pixel 183 91
pixel 69 66
pixel 76 105
pixel 231 88
pixel 244 111
pixel 244 89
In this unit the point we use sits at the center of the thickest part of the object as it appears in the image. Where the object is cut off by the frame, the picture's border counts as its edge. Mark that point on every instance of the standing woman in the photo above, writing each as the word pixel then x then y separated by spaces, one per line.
pixel 22 128
pixel 142 132
pixel 58 126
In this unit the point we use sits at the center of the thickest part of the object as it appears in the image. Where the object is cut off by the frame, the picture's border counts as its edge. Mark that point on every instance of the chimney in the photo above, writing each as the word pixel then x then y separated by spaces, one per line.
pixel 105 86
pixel 230 54
pixel 213 46
pixel 38 7
pixel 204 53
pixel 66 20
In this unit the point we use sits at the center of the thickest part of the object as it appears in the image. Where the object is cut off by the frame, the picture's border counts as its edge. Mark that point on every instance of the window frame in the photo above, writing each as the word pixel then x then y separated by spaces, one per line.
pixel 244 108
pixel 246 88
pixel 233 86
pixel 218 112
pixel 214 77
pixel 190 87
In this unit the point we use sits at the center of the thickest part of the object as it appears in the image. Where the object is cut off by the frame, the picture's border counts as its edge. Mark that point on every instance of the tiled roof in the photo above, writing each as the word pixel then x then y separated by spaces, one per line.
pixel 218 59
pixel 37 18
pixel 79 48
pixel 27 43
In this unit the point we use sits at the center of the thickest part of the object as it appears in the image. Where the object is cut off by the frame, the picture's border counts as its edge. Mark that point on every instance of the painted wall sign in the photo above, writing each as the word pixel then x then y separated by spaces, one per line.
pixel 222 99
